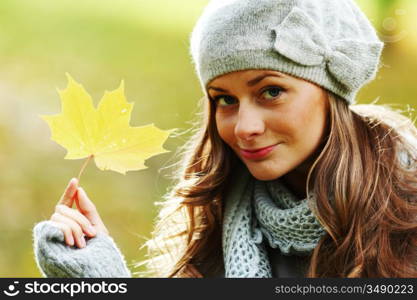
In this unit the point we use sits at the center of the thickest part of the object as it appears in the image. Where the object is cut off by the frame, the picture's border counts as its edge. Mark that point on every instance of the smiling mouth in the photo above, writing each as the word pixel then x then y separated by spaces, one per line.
pixel 257 153
pixel 255 150
pixel 258 149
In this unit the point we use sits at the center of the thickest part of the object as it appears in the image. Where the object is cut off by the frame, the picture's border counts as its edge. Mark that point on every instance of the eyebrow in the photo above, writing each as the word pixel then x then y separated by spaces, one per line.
pixel 251 82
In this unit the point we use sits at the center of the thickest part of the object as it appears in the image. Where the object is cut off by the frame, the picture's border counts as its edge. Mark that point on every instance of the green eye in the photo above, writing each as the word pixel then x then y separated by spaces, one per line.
pixel 224 100
pixel 272 93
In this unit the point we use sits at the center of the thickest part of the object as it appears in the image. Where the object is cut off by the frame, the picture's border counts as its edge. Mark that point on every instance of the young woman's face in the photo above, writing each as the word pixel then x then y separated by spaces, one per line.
pixel 272 121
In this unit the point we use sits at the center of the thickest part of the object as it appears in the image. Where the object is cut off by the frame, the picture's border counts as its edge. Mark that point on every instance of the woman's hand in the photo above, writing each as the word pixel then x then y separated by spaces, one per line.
pixel 77 223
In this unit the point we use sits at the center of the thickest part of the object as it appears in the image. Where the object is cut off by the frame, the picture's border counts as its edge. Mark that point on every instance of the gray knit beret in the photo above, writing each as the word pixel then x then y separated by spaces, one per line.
pixel 328 42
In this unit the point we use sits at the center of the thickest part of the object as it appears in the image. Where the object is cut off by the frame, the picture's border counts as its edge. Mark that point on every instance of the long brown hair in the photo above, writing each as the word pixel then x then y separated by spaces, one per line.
pixel 366 194
pixel 365 199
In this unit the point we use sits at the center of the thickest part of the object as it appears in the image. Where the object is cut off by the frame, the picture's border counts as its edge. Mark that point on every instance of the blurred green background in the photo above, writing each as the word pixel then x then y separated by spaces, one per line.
pixel 101 42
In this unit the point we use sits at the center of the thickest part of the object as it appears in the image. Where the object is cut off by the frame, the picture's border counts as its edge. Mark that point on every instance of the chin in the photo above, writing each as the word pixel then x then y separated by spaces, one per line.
pixel 265 173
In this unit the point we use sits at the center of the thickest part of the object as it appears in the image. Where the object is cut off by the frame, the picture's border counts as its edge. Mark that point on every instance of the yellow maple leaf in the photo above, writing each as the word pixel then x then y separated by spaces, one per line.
pixel 104 133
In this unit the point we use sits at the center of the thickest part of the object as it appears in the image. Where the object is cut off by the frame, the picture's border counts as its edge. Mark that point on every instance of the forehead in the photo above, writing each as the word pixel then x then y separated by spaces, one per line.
pixel 236 80
pixel 249 78
pixel 245 75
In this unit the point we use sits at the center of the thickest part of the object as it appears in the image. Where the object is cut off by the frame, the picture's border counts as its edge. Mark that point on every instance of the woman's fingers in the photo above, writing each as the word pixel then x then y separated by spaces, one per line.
pixel 88 209
pixel 70 193
pixel 75 229
pixel 69 239
pixel 76 216
pixel 75 223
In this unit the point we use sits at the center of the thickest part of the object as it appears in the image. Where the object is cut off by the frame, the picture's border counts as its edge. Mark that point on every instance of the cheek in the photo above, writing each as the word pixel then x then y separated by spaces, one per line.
pixel 225 129
pixel 309 126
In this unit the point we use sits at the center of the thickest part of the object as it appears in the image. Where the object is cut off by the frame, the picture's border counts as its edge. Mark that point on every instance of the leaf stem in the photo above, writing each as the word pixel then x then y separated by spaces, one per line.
pixel 83 167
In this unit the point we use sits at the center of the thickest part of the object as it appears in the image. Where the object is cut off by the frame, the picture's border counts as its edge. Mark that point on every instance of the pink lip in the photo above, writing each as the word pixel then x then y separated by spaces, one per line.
pixel 257 153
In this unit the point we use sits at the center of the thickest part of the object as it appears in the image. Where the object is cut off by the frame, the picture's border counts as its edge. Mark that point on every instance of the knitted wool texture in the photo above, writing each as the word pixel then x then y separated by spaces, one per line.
pixel 100 258
pixel 284 220
pixel 265 210
pixel 330 43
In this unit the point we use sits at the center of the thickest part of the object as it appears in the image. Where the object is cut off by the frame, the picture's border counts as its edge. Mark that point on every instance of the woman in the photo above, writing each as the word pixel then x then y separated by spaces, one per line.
pixel 286 177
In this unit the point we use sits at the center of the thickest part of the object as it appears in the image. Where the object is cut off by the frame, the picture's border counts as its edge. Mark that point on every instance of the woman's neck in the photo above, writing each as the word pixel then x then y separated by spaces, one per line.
pixel 296 179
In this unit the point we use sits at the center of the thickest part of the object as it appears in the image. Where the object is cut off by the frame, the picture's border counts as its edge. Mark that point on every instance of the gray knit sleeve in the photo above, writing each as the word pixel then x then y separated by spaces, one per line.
pixel 100 257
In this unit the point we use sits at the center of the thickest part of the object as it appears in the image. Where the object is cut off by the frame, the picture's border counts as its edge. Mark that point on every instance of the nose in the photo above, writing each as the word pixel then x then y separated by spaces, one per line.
pixel 250 123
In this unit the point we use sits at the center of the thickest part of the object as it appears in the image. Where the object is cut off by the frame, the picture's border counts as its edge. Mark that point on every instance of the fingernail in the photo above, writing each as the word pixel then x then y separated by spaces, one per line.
pixel 71 241
pixel 91 229
pixel 83 242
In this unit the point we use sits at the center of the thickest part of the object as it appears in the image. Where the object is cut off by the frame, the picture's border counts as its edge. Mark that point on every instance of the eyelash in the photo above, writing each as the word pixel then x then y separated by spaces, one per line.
pixel 217 98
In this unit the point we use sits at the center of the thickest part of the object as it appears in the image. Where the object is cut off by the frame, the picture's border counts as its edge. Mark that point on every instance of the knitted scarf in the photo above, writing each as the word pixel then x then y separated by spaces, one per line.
pixel 258 210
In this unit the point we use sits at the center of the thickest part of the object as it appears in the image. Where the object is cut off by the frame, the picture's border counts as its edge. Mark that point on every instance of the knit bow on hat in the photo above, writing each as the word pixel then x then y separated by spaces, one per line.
pixel 300 39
